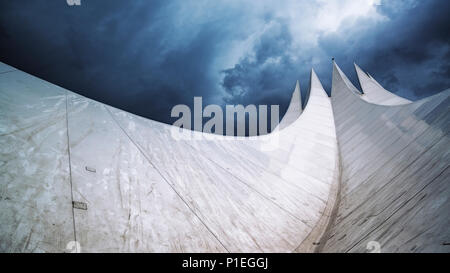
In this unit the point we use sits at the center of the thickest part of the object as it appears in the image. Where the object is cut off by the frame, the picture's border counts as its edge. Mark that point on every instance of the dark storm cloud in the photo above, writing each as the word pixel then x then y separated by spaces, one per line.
pixel 146 56
pixel 407 54
pixel 127 55
pixel 261 77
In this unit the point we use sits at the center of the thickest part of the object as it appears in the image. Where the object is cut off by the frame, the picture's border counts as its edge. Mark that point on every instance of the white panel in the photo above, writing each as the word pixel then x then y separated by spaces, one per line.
pixel 35 194
pixel 394 177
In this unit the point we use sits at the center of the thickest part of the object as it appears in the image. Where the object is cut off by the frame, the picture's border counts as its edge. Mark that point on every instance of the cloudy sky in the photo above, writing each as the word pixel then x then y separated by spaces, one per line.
pixel 147 56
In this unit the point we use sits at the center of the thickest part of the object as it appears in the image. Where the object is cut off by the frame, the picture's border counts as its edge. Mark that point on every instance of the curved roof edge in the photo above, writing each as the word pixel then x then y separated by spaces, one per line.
pixel 294 110
pixel 373 92
pixel 116 171
pixel 337 85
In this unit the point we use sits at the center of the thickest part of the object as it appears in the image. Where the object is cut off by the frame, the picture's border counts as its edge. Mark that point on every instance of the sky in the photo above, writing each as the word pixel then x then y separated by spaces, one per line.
pixel 147 56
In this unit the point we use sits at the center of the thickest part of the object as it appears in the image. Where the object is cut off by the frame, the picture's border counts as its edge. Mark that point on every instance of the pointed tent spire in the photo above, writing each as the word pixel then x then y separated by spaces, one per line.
pixel 296 99
pixel 337 73
pixel 366 79
pixel 314 86
pixel 315 82
pixel 362 77
pixel 295 108
pixel 374 92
